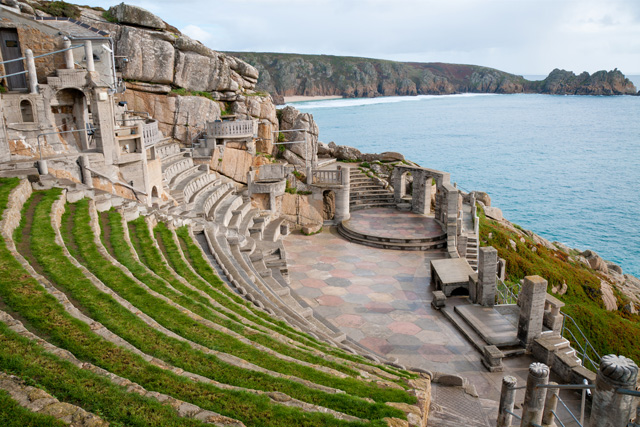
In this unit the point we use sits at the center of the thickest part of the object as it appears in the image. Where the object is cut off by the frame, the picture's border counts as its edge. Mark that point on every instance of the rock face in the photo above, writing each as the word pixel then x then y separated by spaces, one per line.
pixel 595 261
pixel 561 82
pixel 129 14
pixel 292 74
pixel 291 119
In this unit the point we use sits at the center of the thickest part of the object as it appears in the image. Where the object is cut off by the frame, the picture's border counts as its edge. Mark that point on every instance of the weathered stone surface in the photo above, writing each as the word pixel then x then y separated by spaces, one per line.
pixel 391 156
pixel 236 164
pixel 324 149
pixel 295 206
pixel 291 119
pixel 595 261
pixel 148 87
pixel 483 197
pixel 493 213
pixel 129 14
pixel 343 152
pixel 562 247
pixel 151 56
pixel 608 298
pixel 25 8
pixel 189 73
pixel 613 268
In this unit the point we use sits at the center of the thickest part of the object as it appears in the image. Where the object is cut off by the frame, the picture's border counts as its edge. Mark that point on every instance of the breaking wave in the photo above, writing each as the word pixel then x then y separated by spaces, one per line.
pixel 356 102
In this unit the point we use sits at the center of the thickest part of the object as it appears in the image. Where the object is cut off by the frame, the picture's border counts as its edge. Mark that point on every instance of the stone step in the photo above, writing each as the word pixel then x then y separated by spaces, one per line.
pixel 210 213
pixel 222 215
pixel 356 207
pixel 467 331
pixel 182 175
pixel 426 244
pixel 272 230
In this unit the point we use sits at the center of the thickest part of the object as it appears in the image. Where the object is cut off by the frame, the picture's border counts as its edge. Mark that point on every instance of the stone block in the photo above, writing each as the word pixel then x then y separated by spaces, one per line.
pixel 492 358
pixel 439 300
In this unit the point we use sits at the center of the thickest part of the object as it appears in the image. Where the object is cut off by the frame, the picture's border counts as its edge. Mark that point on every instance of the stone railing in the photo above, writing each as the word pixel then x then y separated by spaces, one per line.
pixel 235 129
pixel 326 177
pixel 150 132
pixel 167 150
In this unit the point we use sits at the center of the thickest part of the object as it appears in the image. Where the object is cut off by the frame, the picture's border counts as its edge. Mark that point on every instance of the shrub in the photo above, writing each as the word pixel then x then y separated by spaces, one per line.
pixel 60 8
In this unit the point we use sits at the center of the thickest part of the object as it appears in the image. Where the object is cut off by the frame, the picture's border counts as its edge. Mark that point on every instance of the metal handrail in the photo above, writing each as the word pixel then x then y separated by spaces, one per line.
pixel 58 51
pixel 587 344
pixel 14 74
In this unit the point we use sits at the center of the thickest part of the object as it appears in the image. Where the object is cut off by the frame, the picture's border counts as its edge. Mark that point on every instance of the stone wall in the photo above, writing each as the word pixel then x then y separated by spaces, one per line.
pixel 39 39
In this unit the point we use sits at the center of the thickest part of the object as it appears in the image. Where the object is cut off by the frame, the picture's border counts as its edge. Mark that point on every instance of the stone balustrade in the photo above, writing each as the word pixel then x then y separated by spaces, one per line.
pixel 331 177
pixel 150 132
pixel 232 129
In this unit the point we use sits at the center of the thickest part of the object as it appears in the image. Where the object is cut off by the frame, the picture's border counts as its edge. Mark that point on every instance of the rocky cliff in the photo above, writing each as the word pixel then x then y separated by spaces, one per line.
pixel 178 80
pixel 315 75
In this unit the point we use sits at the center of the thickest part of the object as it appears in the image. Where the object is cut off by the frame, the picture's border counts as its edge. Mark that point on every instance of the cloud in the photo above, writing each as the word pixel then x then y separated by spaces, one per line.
pixel 520 36
pixel 197 33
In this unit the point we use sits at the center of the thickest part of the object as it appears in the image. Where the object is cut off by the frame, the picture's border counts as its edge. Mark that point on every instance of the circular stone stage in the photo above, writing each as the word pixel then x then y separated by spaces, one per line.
pixel 390 228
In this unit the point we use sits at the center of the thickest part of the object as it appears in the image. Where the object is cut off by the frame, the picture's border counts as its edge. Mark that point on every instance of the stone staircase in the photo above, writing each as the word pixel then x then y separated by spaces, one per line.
pixel 366 192
pixel 472 251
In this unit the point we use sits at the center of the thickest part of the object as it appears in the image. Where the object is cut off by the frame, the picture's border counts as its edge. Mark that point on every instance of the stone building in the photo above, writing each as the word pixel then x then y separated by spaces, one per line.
pixel 62 112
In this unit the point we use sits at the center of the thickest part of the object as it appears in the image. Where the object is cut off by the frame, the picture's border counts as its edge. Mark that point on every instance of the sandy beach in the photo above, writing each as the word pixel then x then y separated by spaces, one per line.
pixel 297 98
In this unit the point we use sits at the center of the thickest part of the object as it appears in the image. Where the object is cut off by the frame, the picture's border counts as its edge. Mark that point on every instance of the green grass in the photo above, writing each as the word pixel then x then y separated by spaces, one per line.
pixel 59 8
pixel 608 331
pixel 47 316
pixel 14 415
pixel 173 319
pixel 184 92
pixel 202 307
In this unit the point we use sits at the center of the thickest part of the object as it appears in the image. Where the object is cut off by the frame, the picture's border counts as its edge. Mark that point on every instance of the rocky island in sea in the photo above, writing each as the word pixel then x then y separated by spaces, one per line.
pixel 175 251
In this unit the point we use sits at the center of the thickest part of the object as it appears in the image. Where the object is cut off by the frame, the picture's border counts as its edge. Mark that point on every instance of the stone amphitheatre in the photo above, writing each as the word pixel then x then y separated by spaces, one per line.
pixel 176 251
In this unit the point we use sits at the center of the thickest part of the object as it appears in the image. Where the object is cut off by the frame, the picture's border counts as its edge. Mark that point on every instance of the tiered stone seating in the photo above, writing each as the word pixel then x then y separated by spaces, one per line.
pixel 126 288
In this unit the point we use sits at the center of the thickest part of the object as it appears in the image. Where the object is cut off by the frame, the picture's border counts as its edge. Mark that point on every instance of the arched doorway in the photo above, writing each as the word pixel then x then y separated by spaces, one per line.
pixel 70 113
pixel 328 205
pixel 26 110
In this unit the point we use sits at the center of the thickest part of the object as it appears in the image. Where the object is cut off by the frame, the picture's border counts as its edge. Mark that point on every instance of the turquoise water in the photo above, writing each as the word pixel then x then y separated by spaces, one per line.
pixel 566 167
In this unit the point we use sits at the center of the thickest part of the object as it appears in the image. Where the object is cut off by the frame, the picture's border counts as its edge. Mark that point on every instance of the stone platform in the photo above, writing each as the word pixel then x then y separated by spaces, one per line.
pixel 389 228
pixel 451 274
pixel 493 327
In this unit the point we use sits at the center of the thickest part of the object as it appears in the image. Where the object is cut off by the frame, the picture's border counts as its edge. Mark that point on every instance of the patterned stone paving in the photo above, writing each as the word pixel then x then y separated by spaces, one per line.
pixel 392 223
pixel 381 298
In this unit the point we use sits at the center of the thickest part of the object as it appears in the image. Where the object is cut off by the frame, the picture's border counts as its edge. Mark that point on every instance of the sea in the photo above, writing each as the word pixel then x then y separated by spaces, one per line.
pixel 565 167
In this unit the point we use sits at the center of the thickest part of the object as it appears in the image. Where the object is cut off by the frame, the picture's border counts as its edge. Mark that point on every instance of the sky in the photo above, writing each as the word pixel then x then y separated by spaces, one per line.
pixel 526 37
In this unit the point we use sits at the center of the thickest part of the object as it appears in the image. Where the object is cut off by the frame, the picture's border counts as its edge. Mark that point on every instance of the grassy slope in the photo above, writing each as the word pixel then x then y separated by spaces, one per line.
pixel 608 331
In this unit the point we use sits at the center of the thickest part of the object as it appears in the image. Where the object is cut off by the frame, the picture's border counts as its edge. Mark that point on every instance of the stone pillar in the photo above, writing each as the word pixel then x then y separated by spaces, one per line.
pixel 88 53
pixel 342 196
pixel 68 55
pixel 399 183
pixel 31 71
pixel 87 180
pixel 610 409
pixel 502 268
pixel 551 404
pixel 309 175
pixel 534 398
pixel 531 301
pixel 487 265
pixel 507 401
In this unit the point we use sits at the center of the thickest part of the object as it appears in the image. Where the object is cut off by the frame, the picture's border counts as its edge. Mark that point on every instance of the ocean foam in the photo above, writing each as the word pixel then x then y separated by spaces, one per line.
pixel 357 102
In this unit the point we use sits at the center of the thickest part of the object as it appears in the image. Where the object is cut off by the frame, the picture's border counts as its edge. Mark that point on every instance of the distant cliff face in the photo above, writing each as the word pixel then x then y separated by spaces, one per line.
pixel 315 75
